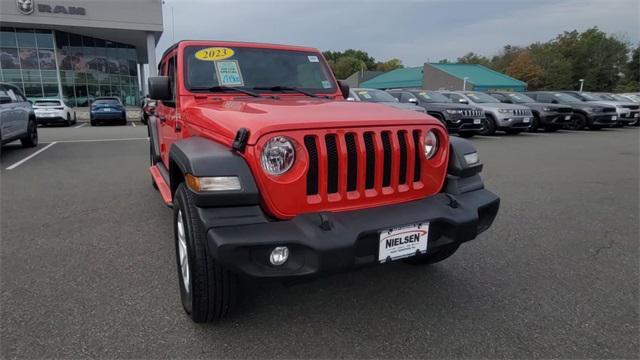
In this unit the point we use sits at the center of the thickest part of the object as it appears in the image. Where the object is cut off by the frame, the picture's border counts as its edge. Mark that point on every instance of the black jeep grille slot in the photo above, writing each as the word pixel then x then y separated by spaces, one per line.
pixel 332 164
pixel 371 160
pixel 386 165
pixel 402 179
pixel 418 156
pixel 352 162
pixel 312 173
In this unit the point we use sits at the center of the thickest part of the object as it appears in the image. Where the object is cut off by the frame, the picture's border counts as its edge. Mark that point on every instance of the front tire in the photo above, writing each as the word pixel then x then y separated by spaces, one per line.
pixel 535 124
pixel 207 290
pixel 579 122
pixel 442 254
pixel 69 122
pixel 31 138
pixel 488 126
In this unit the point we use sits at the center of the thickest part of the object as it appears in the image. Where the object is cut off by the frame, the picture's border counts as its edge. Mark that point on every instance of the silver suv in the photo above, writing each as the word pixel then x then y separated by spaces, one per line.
pixel 511 118
pixel 17 119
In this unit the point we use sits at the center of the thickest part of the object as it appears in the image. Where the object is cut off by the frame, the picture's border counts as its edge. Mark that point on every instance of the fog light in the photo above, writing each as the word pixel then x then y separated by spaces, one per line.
pixel 471 158
pixel 279 255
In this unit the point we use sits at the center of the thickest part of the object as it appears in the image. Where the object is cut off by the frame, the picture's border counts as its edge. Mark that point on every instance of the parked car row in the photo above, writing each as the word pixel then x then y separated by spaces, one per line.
pixel 473 112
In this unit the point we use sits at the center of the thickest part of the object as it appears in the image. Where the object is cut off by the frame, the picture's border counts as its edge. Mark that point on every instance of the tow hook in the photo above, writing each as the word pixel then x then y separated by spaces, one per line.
pixel 325 224
pixel 453 203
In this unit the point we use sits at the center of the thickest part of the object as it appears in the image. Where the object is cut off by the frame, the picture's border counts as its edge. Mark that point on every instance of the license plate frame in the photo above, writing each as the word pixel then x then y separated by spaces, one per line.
pixel 401 242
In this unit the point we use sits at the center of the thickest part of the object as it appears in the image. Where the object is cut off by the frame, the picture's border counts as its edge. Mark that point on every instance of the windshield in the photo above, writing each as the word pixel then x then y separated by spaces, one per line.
pixel 520 98
pixel 589 97
pixel 481 98
pixel 106 102
pixel 251 68
pixel 617 97
pixel 370 95
pixel 432 97
pixel 46 103
pixel 566 98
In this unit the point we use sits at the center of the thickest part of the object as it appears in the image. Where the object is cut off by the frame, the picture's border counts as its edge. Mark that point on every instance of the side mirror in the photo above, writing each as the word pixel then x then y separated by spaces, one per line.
pixel 344 89
pixel 5 100
pixel 413 100
pixel 463 101
pixel 160 88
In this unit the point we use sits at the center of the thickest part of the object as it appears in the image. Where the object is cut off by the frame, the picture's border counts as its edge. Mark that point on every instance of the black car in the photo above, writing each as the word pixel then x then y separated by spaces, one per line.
pixel 461 119
pixel 107 110
pixel 547 116
pixel 593 116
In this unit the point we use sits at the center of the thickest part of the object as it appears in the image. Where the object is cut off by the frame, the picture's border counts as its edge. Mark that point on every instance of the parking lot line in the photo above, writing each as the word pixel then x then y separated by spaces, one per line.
pixel 101 140
pixel 79 126
pixel 133 124
pixel 15 165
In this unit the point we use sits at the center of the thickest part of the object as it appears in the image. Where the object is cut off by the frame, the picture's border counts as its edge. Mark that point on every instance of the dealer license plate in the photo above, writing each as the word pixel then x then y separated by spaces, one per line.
pixel 614 118
pixel 477 121
pixel 526 119
pixel 568 117
pixel 402 242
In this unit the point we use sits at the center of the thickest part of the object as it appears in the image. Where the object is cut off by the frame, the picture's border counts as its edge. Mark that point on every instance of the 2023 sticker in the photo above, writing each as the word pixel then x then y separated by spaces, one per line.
pixel 214 54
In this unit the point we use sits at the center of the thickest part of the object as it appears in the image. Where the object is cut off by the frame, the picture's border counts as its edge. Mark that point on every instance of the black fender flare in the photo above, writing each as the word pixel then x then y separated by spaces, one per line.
pixel 152 128
pixel 202 157
pixel 462 177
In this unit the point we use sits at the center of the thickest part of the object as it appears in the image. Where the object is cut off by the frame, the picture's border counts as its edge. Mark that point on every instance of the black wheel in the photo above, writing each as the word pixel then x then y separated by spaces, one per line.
pixel 579 122
pixel 466 134
pixel 93 122
pixel 442 253
pixel 535 124
pixel 513 131
pixel 208 291
pixel 31 137
pixel 488 125
pixel 69 122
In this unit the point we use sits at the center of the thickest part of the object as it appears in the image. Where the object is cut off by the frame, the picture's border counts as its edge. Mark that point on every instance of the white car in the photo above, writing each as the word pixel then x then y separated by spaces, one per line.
pixel 54 111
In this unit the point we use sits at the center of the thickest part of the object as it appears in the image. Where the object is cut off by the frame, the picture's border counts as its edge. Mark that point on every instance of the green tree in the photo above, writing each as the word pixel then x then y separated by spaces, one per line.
pixel 632 73
pixel 522 67
pixel 389 65
pixel 473 58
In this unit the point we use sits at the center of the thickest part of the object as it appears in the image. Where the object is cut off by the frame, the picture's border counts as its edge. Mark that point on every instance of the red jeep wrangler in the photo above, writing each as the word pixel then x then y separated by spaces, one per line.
pixel 272 174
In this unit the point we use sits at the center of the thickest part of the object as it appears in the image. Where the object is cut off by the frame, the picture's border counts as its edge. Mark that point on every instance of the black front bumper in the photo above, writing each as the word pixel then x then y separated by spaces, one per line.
pixel 557 119
pixel 319 243
pixel 464 125
pixel 604 119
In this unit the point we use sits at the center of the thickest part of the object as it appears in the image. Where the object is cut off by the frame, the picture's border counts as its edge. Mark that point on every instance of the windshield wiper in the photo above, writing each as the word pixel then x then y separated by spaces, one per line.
pixel 219 88
pixel 285 88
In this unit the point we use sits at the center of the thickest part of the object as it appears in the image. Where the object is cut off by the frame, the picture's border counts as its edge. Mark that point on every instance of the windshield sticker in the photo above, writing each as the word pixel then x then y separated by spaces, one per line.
pixel 326 84
pixel 229 73
pixel 313 58
pixel 214 54
pixel 364 94
pixel 425 95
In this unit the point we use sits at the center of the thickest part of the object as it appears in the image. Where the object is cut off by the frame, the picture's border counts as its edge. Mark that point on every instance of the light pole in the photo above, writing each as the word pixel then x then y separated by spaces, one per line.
pixel 464 83
pixel 581 84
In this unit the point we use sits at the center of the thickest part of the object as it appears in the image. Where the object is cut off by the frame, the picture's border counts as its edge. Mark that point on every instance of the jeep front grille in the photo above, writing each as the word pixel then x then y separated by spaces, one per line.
pixel 377 151
pixel 472 113
pixel 521 112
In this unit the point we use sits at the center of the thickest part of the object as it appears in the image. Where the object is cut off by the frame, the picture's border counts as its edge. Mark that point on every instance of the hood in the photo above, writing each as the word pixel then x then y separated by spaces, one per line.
pixel 265 115
pixel 403 106
pixel 448 105
pixel 500 106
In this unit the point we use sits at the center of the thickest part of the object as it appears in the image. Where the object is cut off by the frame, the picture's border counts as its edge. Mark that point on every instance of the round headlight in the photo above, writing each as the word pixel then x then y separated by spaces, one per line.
pixel 278 155
pixel 430 144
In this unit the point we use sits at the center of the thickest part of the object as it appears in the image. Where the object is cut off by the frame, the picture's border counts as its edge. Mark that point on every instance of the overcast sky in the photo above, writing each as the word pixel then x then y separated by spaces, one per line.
pixel 413 31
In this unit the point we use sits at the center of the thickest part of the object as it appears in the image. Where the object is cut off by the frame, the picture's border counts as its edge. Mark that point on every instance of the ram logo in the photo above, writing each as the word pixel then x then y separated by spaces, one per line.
pixel 25 6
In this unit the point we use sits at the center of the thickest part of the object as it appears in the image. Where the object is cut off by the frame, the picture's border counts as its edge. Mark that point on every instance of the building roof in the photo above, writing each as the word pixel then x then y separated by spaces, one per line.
pixel 398 78
pixel 478 75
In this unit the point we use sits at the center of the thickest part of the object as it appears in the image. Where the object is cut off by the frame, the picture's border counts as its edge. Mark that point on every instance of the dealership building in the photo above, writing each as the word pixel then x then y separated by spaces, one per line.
pixel 79 50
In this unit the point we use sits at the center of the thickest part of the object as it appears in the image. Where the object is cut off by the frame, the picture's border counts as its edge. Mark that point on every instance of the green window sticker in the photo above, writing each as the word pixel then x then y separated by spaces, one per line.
pixel 229 73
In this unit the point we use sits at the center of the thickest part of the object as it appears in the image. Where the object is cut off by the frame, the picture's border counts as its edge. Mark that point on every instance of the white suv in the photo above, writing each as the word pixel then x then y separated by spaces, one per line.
pixel 49 111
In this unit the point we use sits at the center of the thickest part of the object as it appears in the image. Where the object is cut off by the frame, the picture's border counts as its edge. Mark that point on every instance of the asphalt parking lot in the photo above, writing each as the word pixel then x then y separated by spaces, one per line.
pixel 88 265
